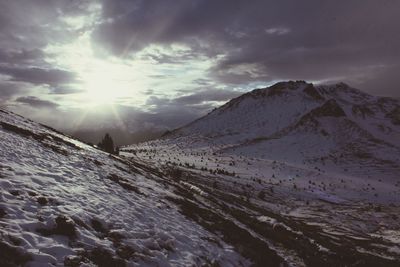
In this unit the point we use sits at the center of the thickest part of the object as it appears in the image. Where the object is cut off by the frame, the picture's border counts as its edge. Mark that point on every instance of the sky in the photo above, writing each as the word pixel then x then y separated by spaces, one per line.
pixel 158 64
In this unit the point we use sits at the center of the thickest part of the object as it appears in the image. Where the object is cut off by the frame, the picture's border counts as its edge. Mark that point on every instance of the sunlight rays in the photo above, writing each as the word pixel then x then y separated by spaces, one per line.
pixel 103 80
pixel 106 80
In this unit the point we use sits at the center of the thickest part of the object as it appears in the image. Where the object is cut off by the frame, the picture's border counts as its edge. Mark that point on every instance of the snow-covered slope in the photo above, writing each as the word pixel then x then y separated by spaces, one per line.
pixel 301 123
pixel 63 202
pixel 263 113
pixel 313 172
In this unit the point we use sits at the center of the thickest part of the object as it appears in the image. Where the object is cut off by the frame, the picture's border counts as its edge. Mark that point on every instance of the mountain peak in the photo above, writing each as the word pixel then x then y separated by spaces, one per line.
pixel 281 87
pixel 277 89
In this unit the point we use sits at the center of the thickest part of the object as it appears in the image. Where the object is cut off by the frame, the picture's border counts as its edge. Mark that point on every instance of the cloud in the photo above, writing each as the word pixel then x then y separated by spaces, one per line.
pixel 26 30
pixel 202 96
pixel 206 95
pixel 64 90
pixel 36 102
pixel 34 24
pixel 8 89
pixel 20 56
pixel 378 79
pixel 313 40
pixel 278 30
pixel 38 76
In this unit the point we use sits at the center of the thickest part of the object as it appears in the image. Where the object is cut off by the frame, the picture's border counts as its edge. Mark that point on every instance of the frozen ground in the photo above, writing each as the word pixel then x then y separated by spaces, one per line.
pixel 312 172
pixel 66 203
pixel 306 216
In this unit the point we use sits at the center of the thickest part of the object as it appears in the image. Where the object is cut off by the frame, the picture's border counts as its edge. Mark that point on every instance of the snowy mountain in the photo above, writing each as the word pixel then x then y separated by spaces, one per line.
pixel 298 122
pixel 335 114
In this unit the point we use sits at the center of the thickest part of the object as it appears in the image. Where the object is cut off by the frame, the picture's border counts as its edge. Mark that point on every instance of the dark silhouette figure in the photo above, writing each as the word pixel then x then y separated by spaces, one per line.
pixel 107 144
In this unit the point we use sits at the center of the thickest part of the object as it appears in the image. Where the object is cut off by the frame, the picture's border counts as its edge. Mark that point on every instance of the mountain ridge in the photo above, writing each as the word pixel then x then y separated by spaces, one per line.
pixel 300 101
pixel 332 127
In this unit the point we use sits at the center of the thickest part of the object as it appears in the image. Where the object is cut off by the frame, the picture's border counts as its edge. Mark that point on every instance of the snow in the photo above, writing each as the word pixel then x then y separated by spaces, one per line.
pixel 75 184
pixel 337 174
pixel 258 128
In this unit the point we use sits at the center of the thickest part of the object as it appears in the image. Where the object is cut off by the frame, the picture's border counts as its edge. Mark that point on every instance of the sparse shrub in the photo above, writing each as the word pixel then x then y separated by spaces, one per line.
pixel 261 195
pixel 2 212
pixel 377 208
pixel 174 173
pixel 42 201
pixel 64 226
pixel 215 185
pixel 12 256
pixel 98 226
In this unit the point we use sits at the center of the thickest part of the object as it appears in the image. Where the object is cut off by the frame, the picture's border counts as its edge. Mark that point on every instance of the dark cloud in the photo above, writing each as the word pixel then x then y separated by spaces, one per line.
pixel 32 24
pixel 132 25
pixel 203 81
pixel 36 102
pixel 206 95
pixel 20 56
pixel 8 89
pixel 38 75
pixel 379 80
pixel 263 40
pixel 64 90
pixel 26 29
pixel 200 97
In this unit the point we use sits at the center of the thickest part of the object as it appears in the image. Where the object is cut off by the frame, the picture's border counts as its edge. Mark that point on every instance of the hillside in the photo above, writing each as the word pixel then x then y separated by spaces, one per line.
pixel 336 116
pixel 206 196
pixel 310 170
pixel 336 127
pixel 66 203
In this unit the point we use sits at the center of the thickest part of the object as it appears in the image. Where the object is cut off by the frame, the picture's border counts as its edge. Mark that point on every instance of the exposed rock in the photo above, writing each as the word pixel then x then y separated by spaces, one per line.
pixel 312 91
pixel 394 115
pixel 362 110
pixel 329 109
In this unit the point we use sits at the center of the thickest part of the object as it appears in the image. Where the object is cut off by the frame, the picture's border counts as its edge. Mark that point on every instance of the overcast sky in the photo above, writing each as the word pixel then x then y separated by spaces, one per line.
pixel 85 63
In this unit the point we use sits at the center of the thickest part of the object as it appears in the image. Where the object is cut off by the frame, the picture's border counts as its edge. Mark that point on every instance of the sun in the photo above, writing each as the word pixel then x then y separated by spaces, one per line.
pixel 103 80
pixel 101 85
